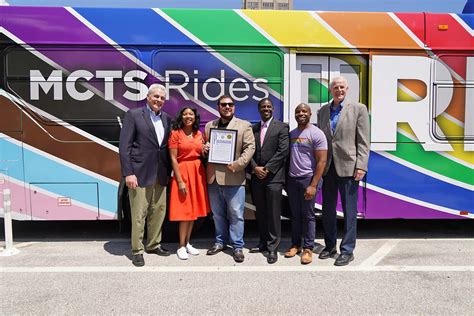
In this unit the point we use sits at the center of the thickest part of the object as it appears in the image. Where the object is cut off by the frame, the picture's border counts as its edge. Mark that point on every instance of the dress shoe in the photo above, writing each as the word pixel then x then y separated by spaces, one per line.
pixel 238 256
pixel 215 249
pixel 328 253
pixel 272 257
pixel 292 251
pixel 160 251
pixel 307 256
pixel 138 260
pixel 343 259
pixel 258 248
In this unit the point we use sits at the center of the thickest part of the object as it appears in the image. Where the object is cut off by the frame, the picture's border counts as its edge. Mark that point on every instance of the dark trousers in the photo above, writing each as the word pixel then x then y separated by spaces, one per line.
pixel 348 189
pixel 303 218
pixel 267 200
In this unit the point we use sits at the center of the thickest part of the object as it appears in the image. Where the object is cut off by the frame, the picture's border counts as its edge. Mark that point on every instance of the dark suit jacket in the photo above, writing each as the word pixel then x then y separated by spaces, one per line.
pixel 349 147
pixel 140 153
pixel 273 153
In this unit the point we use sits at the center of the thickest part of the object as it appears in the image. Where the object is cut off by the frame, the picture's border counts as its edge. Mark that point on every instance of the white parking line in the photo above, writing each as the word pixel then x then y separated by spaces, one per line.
pixel 380 253
pixel 313 268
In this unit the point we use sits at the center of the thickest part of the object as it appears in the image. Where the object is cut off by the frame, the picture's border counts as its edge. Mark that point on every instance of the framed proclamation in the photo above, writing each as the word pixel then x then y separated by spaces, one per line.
pixel 223 143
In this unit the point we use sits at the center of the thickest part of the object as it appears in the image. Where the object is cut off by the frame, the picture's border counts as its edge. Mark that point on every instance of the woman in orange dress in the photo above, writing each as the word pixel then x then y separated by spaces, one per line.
pixel 188 197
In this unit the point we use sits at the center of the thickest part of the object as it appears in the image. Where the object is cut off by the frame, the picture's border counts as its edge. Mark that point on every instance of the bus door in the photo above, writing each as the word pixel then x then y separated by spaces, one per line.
pixel 309 83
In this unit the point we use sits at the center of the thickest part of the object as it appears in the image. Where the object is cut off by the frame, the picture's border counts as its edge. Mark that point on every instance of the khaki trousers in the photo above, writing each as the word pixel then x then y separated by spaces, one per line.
pixel 148 205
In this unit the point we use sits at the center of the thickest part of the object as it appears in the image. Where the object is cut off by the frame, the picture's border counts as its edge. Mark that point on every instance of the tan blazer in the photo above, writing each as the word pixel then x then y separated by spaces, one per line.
pixel 349 147
pixel 244 152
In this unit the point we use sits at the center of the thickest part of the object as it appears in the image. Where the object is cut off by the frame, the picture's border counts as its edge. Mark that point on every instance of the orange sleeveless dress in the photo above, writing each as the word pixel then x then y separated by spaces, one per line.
pixel 196 203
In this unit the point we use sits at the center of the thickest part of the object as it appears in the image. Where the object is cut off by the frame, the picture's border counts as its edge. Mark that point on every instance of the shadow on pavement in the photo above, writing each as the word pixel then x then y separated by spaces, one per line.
pixel 118 248
pixel 204 229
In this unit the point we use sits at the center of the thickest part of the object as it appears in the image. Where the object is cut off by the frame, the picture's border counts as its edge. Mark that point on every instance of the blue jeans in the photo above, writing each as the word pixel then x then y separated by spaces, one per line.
pixel 227 204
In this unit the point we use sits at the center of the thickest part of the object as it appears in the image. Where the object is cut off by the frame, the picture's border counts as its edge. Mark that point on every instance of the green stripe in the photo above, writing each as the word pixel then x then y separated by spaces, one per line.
pixel 430 160
pixel 317 92
pixel 236 40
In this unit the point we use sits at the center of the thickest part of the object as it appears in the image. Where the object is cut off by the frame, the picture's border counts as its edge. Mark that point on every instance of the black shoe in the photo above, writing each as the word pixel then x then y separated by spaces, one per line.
pixel 272 257
pixel 138 260
pixel 215 249
pixel 343 259
pixel 259 248
pixel 160 251
pixel 238 256
pixel 326 253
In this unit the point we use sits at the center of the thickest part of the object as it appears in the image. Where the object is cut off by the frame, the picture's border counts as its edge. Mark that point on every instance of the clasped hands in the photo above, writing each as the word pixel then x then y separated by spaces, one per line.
pixel 261 172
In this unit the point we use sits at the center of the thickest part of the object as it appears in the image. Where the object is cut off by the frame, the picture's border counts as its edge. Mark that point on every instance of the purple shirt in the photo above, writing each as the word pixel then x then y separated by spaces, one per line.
pixel 303 143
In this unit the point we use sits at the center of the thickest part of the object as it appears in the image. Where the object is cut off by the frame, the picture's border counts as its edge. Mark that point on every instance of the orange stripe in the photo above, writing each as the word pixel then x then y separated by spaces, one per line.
pixel 456 106
pixel 418 87
pixel 369 30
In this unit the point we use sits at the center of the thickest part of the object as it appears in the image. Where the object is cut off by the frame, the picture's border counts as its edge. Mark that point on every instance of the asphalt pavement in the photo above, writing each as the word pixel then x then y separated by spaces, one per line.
pixel 77 268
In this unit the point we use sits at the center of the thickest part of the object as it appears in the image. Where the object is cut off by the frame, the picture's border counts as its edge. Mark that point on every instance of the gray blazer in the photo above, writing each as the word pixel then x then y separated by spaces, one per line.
pixel 349 147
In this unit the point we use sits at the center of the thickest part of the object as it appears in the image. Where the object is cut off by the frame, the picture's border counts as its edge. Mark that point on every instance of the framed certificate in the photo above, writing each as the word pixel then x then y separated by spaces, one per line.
pixel 223 143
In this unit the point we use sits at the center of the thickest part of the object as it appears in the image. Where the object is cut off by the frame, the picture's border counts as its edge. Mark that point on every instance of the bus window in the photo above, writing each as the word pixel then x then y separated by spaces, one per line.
pixel 453 95
pixel 193 76
pixel 90 88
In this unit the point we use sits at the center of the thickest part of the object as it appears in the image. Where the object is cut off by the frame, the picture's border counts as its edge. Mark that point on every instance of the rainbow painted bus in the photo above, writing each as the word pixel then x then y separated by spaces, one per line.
pixel 68 75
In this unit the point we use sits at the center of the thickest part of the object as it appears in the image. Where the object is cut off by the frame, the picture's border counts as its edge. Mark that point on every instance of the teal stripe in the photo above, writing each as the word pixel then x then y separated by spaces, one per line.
pixel 39 169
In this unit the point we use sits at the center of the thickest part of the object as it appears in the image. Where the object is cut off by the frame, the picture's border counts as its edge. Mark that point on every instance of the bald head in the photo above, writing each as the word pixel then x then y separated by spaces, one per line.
pixel 302 115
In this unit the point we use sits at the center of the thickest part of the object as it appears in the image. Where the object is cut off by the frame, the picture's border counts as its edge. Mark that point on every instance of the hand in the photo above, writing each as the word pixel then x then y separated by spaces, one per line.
pixel 131 181
pixel 310 193
pixel 205 149
pixel 231 167
pixel 359 174
pixel 261 172
pixel 182 188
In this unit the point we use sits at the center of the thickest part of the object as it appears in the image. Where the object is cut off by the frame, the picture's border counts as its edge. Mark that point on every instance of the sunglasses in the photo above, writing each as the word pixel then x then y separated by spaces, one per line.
pixel 224 104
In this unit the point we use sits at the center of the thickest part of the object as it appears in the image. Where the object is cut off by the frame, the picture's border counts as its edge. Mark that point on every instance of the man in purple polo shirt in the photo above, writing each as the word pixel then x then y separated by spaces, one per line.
pixel 308 154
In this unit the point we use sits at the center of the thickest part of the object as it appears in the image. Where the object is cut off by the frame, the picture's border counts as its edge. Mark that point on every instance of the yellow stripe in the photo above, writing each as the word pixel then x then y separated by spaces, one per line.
pixel 451 128
pixel 294 28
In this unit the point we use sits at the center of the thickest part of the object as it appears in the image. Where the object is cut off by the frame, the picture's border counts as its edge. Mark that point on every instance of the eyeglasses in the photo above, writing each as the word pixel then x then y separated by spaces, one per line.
pixel 229 104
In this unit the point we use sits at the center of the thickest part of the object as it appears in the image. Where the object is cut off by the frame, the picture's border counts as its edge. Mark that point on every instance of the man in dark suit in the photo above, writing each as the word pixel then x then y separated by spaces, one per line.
pixel 346 126
pixel 145 165
pixel 268 176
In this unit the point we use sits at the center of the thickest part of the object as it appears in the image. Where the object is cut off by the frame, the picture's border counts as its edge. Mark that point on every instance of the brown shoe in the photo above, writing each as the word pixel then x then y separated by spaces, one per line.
pixel 292 251
pixel 307 256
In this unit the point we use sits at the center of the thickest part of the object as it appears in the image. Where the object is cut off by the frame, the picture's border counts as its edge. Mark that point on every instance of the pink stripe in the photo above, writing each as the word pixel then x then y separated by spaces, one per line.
pixel 44 207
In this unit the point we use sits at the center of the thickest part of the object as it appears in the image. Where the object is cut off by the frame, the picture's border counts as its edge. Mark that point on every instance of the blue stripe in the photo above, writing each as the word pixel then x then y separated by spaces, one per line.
pixel 39 169
pixel 392 176
pixel 146 27
pixel 134 26
pixel 468 19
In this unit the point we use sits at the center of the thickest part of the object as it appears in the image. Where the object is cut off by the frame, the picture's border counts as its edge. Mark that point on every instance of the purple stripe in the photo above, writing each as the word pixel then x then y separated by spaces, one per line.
pixel 381 206
pixel 40 25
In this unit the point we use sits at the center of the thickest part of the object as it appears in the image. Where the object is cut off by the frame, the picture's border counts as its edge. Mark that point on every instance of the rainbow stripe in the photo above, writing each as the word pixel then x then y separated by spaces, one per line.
pixel 409 182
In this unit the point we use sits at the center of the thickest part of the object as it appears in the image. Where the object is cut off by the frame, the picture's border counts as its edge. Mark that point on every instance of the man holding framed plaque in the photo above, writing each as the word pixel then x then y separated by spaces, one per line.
pixel 230 148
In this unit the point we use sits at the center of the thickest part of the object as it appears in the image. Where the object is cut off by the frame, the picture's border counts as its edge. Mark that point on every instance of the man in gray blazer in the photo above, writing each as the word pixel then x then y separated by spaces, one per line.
pixel 145 165
pixel 226 183
pixel 346 126
pixel 268 176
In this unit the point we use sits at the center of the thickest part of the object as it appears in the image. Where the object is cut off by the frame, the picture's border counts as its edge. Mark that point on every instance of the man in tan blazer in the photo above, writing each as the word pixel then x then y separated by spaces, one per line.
pixel 346 126
pixel 226 183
